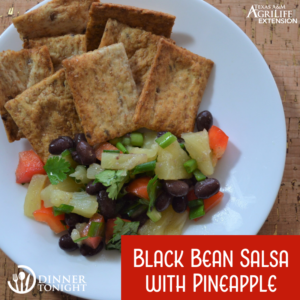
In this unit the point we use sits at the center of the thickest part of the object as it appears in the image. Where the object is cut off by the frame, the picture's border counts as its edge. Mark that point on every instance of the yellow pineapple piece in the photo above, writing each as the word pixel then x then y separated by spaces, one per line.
pixel 170 162
pixel 33 198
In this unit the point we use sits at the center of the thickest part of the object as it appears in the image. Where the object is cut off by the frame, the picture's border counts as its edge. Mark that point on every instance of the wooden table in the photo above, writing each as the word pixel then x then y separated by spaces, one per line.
pixel 280 46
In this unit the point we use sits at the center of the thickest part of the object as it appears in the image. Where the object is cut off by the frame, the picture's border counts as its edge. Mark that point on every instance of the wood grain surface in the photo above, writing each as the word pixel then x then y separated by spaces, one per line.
pixel 280 46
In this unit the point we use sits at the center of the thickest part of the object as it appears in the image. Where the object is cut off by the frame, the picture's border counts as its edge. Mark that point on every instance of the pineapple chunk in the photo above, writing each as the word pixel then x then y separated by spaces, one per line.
pixel 75 235
pixel 176 224
pixel 158 228
pixel 93 170
pixel 115 161
pixel 197 144
pixel 60 197
pixel 80 174
pixel 171 223
pixel 170 162
pixel 151 152
pixel 33 199
pixel 84 204
pixel 68 185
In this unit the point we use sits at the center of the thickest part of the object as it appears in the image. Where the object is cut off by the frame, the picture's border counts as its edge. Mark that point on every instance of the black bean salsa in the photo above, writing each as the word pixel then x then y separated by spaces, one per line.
pixel 142 183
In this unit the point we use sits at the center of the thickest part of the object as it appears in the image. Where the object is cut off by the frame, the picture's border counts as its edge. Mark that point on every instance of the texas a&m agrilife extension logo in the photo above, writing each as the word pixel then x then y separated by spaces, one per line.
pixel 20 284
pixel 272 14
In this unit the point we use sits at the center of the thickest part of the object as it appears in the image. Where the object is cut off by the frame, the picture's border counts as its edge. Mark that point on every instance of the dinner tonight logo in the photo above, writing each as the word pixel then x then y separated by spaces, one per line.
pixel 272 14
pixel 62 283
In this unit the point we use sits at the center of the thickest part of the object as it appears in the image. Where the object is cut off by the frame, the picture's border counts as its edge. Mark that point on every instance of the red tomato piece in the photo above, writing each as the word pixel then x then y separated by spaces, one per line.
pixel 93 242
pixel 138 187
pixel 46 215
pixel 191 195
pixel 211 202
pixel 29 165
pixel 217 141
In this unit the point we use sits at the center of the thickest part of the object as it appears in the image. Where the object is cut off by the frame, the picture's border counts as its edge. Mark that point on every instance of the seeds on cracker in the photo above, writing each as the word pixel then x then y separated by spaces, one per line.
pixel 55 18
pixel 60 47
pixel 173 90
pixel 44 112
pixel 19 71
pixel 156 22
pixel 104 92
pixel 140 46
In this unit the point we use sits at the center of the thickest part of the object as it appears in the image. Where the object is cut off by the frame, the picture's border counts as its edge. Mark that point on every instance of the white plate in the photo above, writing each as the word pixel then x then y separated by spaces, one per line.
pixel 245 103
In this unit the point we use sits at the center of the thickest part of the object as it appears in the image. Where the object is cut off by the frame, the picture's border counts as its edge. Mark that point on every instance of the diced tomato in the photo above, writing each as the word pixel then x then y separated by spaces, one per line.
pixel 191 195
pixel 46 215
pixel 29 165
pixel 213 201
pixel 210 203
pixel 93 242
pixel 138 187
pixel 217 141
pixel 104 146
pixel 110 224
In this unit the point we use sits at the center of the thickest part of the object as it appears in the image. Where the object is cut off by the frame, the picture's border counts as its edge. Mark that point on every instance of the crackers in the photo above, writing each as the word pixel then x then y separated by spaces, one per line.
pixel 140 46
pixel 60 48
pixel 173 91
pixel 44 112
pixel 104 92
pixel 156 22
pixel 55 18
pixel 19 71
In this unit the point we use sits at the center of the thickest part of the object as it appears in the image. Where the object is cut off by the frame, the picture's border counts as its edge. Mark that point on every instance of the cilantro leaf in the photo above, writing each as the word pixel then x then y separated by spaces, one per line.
pixel 57 169
pixel 114 179
pixel 121 228
pixel 106 177
pixel 151 189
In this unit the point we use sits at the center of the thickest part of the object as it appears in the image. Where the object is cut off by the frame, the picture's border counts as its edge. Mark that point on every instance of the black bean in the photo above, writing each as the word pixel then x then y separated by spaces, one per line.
pixel 176 188
pixel 180 204
pixel 66 243
pixel 207 188
pixel 86 250
pixel 76 157
pixel 72 219
pixel 86 153
pixel 107 206
pixel 204 120
pixel 163 201
pixel 58 146
pixel 78 138
pixel 94 189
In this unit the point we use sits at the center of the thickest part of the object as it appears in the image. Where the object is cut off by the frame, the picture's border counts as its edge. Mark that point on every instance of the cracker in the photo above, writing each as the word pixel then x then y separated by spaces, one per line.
pixel 173 91
pixel 44 112
pixel 19 71
pixel 55 18
pixel 140 46
pixel 153 21
pixel 104 92
pixel 60 48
